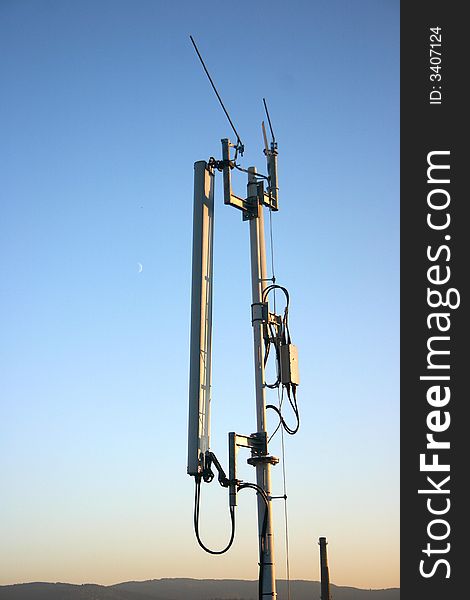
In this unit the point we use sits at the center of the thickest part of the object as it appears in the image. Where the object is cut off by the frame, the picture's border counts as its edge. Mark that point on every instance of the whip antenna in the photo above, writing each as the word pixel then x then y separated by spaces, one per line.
pixel 240 146
pixel 269 121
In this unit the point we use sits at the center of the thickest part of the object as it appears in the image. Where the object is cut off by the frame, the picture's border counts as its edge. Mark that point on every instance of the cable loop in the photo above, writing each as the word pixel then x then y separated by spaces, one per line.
pixel 197 499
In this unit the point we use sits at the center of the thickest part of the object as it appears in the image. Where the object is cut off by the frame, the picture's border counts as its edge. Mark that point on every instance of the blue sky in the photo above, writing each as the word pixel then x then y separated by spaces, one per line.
pixel 103 112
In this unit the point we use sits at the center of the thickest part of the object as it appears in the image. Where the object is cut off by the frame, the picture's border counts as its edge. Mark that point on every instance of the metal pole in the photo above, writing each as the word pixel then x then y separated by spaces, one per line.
pixel 263 467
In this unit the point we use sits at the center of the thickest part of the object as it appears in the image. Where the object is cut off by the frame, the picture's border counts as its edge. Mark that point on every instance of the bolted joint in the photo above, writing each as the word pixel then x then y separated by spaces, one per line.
pixel 251 208
pixel 259 443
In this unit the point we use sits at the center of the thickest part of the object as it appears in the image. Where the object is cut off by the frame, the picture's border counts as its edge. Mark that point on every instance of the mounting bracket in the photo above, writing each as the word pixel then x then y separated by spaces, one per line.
pixel 258 443
pixel 249 205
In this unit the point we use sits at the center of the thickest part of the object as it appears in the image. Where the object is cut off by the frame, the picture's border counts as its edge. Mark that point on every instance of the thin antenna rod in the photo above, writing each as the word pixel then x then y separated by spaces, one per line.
pixel 239 142
pixel 269 120
pixel 266 147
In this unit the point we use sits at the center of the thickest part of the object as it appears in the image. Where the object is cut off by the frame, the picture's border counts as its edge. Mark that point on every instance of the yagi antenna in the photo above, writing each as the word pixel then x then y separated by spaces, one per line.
pixel 239 146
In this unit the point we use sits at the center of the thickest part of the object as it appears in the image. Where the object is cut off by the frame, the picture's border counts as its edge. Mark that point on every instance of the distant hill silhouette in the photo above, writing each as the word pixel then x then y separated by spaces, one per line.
pixel 184 589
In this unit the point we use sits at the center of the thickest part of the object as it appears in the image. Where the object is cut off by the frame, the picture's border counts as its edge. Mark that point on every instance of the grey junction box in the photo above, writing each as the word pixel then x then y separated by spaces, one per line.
pixel 289 364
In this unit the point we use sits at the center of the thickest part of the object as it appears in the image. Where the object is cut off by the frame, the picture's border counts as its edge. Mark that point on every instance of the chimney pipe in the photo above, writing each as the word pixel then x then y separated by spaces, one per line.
pixel 324 572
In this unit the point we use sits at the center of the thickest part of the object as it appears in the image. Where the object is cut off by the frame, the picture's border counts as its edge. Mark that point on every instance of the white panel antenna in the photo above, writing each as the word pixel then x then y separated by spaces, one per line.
pixel 201 318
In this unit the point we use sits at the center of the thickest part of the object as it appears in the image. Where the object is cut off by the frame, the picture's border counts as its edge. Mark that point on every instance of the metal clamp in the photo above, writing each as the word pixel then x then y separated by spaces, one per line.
pixel 258 443
pixel 259 312
pixel 257 460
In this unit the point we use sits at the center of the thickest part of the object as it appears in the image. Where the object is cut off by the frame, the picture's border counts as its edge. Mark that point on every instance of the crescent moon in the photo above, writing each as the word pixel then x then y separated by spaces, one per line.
pixel 139 267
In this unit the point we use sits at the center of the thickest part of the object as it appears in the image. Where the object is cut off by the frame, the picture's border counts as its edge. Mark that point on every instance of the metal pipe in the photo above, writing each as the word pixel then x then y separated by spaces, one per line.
pixel 263 467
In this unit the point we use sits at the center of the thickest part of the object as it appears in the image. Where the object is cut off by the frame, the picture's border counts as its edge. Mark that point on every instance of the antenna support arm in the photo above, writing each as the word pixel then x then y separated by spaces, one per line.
pixel 258 443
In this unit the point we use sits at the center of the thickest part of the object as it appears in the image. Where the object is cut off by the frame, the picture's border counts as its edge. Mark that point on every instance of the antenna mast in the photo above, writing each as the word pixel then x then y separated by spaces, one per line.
pixel 268 329
pixel 262 462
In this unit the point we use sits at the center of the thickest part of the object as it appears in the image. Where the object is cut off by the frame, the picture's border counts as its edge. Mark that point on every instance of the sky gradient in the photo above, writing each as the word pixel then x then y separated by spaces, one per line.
pixel 103 112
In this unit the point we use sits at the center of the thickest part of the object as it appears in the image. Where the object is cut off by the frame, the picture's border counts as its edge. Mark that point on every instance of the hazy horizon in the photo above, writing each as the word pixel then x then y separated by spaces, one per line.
pixel 183 589
pixel 279 580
